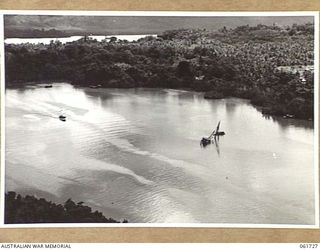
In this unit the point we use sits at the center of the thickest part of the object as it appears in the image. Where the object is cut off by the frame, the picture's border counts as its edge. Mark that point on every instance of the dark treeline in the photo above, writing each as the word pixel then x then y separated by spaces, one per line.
pixel 269 65
pixel 30 209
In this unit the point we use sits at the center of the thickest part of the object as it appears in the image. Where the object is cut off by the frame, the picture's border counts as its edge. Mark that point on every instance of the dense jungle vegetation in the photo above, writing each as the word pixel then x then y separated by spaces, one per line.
pixel 270 65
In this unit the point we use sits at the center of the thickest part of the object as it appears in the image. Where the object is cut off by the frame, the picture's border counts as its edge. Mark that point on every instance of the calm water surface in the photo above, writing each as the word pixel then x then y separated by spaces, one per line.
pixel 135 154
pixel 129 38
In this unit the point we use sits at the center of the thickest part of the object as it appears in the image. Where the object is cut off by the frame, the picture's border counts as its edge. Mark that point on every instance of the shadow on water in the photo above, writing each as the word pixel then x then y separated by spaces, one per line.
pixel 285 123
pixel 99 96
pixel 19 89
pixel 231 108
pixel 231 104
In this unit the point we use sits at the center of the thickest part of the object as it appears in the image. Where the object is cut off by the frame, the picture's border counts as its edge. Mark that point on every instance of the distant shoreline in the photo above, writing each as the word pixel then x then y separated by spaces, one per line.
pixel 80 34
pixel 269 65
pixel 206 94
pixel 77 37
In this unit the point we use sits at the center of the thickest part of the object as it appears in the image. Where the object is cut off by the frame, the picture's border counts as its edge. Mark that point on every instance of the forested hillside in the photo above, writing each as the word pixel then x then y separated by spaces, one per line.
pixel 247 61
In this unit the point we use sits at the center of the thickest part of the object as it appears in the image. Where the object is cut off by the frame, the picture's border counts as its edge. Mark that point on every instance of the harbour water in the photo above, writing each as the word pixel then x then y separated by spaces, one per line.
pixel 129 38
pixel 135 154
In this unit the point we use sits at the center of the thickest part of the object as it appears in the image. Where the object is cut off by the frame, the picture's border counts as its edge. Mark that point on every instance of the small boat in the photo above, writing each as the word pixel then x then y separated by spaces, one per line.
pixel 95 86
pixel 48 86
pixel 288 116
pixel 62 118
pixel 205 141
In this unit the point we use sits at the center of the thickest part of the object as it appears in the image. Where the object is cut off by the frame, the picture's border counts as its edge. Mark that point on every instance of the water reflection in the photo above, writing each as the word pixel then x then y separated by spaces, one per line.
pixel 284 122
pixel 231 108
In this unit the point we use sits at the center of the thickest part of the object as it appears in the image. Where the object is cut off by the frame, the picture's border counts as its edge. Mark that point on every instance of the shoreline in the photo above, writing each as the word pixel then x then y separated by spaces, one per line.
pixel 20 210
pixel 273 70
pixel 208 95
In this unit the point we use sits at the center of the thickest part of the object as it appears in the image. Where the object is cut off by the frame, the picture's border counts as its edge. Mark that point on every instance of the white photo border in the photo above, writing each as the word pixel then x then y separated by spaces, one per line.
pixel 314 14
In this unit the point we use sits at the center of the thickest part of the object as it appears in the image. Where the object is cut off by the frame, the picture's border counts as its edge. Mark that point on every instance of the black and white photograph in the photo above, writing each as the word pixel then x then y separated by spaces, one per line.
pixel 160 119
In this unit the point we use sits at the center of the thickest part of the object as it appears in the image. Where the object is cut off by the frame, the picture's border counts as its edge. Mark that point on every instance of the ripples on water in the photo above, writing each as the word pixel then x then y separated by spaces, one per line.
pixel 135 154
